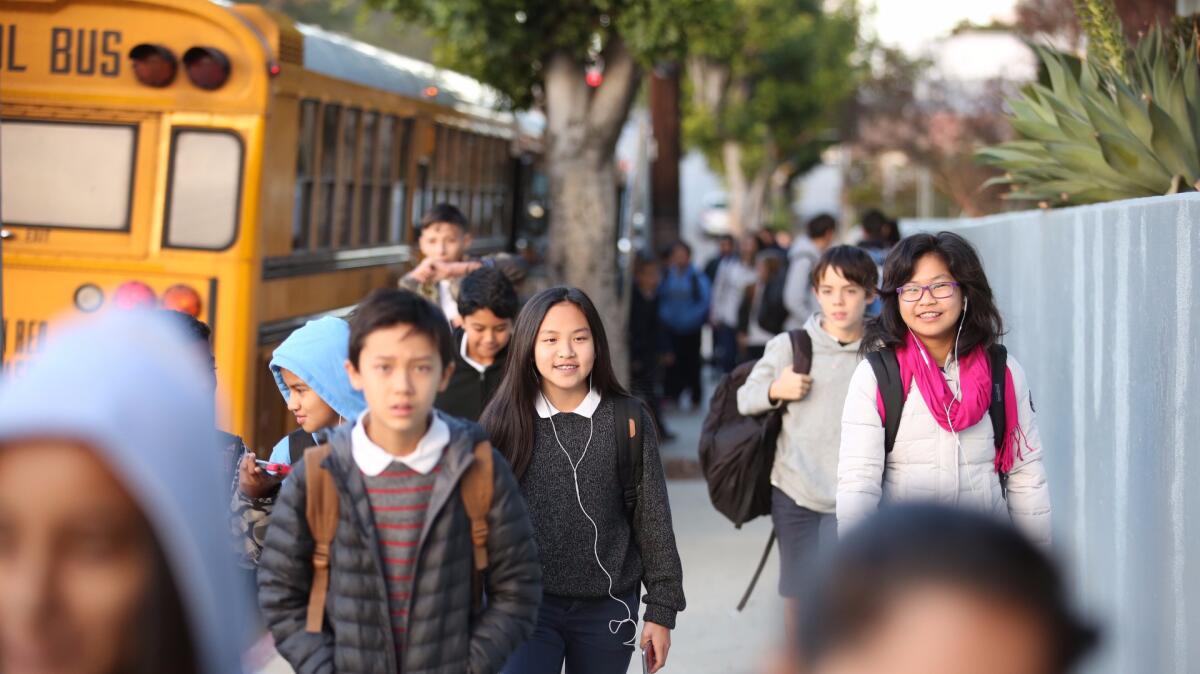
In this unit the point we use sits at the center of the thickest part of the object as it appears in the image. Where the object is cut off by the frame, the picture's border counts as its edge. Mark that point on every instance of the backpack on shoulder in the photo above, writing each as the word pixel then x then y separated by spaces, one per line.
pixel 887 374
pixel 737 452
pixel 773 312
pixel 321 511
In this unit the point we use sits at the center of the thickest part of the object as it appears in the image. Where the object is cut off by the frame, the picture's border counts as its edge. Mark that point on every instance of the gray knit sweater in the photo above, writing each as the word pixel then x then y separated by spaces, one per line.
pixel 646 552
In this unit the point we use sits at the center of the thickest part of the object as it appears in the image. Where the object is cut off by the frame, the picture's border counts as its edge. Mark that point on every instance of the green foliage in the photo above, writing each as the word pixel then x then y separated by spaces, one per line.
pixel 506 43
pixel 1106 36
pixel 787 69
pixel 1096 133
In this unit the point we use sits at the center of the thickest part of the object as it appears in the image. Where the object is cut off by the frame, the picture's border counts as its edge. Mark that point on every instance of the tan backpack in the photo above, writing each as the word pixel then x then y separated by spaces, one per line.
pixel 322 515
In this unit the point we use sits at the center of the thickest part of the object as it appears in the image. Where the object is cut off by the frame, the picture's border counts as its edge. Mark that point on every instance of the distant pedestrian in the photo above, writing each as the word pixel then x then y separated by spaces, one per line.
pixel 726 249
pixel 819 235
pixel 648 341
pixel 937 342
pixel 488 305
pixel 734 276
pixel 384 538
pixel 875 226
pixel 309 369
pixel 587 459
pixel 113 546
pixel 804 475
pixel 683 299
pixel 444 237
pixel 925 589
pixel 769 266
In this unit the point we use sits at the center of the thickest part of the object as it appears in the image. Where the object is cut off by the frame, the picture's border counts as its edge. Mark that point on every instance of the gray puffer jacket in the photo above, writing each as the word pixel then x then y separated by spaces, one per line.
pixel 443 637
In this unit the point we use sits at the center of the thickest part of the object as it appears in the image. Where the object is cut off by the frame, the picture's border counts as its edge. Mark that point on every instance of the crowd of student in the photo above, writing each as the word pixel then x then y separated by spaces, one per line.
pixel 471 489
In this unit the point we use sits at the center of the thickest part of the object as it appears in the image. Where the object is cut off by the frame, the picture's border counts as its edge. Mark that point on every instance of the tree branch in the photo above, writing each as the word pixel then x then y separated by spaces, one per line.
pixel 610 103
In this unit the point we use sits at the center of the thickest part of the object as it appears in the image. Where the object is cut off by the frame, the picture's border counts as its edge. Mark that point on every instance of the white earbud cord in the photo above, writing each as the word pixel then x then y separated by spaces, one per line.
pixel 614 626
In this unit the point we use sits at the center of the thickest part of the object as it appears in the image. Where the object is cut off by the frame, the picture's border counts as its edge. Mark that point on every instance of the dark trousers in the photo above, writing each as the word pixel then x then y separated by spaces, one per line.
pixel 643 384
pixel 575 632
pixel 684 374
pixel 726 347
pixel 803 535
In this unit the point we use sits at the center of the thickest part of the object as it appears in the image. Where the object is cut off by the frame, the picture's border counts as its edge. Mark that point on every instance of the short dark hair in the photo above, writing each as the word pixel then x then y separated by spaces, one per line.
pixel 386 307
pixel 873 223
pixel 852 262
pixel 914 545
pixel 195 328
pixel 820 225
pixel 487 288
pixel 443 213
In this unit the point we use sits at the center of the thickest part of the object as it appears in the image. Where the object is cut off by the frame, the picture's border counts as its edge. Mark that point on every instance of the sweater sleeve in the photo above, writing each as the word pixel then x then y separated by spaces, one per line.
pixel 654 534
pixel 1028 491
pixel 861 457
pixel 514 577
pixel 284 578
pixel 753 397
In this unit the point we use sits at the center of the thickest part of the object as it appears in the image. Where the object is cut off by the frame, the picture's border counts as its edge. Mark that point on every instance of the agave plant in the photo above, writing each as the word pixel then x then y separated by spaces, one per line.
pixel 1102 133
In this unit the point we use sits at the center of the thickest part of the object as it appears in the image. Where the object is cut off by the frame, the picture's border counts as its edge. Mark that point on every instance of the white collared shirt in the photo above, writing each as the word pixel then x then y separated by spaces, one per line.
pixel 373 459
pixel 479 367
pixel 586 408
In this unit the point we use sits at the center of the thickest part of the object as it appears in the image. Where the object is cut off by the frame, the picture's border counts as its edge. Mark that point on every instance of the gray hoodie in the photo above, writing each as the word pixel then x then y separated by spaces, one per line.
pixel 133 386
pixel 806 457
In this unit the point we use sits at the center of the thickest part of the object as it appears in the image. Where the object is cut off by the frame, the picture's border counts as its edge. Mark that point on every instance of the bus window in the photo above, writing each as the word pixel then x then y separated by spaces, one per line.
pixel 330 118
pixel 367 179
pixel 401 191
pixel 204 188
pixel 387 131
pixel 305 147
pixel 59 174
pixel 345 223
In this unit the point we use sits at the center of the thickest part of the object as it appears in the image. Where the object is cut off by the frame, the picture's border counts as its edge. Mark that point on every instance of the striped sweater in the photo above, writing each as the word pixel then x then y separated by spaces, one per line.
pixel 399 498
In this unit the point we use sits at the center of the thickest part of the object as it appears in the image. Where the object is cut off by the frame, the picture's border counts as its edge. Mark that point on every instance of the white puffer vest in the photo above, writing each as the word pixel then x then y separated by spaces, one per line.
pixel 928 463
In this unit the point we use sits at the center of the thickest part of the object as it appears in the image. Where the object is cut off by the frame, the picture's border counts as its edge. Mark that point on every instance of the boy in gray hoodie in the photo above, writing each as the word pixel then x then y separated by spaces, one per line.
pixel 805 472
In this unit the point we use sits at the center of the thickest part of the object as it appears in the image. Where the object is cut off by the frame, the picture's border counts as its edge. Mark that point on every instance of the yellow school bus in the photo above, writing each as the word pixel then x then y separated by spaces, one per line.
pixel 221 160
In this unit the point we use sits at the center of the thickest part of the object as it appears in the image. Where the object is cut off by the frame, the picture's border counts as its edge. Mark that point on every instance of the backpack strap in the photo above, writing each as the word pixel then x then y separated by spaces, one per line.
pixel 802 351
pixel 627 415
pixel 887 376
pixel 299 441
pixel 476 491
pixel 999 361
pixel 321 511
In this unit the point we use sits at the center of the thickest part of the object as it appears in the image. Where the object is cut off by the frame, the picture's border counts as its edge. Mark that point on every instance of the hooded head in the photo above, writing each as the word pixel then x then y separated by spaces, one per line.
pixel 316 354
pixel 111 554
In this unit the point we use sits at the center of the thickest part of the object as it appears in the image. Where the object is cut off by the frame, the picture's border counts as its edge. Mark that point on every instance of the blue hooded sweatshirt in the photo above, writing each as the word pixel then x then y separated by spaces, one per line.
pixel 317 353
pixel 133 386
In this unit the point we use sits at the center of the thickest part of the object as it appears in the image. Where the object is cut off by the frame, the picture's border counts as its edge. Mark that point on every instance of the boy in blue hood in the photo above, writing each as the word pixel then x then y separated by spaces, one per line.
pixel 309 369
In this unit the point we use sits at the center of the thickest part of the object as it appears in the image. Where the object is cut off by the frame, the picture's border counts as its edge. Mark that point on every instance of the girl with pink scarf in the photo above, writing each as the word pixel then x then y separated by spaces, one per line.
pixel 939 318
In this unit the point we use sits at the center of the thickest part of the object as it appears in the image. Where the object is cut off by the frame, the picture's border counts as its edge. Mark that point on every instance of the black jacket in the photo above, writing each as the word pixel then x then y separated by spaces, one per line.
pixel 443 636
pixel 469 389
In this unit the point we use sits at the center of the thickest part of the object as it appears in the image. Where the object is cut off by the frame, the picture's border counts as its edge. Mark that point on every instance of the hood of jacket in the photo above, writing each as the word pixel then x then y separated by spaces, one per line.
pixel 317 353
pixel 823 342
pixel 145 408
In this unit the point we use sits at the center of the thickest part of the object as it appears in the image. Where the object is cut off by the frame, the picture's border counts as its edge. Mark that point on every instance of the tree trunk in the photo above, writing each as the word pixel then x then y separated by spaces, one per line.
pixel 747 196
pixel 583 125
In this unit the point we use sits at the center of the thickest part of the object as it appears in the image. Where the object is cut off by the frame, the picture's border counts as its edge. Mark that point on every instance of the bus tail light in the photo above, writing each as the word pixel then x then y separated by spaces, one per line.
pixel 134 295
pixel 154 65
pixel 207 67
pixel 88 298
pixel 183 299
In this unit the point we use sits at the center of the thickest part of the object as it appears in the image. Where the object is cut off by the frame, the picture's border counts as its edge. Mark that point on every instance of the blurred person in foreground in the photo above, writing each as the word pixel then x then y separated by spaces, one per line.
pixel 109 563
pixel 925 589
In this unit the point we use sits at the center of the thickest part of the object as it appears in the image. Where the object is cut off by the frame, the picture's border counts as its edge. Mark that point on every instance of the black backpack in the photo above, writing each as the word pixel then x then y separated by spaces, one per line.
pixel 887 375
pixel 737 452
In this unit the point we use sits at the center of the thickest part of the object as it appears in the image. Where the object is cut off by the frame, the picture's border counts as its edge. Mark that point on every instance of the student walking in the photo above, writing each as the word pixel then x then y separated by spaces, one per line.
pixel 309 369
pixel 735 274
pixel 588 465
pixel 109 561
pixel 819 234
pixel 368 563
pixel 804 475
pixel 683 298
pixel 939 361
pixel 487 304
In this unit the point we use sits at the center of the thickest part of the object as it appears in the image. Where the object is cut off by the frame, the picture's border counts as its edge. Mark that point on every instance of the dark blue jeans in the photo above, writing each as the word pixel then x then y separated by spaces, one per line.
pixel 575 631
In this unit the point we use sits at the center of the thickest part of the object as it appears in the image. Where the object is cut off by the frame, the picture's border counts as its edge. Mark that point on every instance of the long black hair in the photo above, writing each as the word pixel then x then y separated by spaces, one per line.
pixel 916 545
pixel 509 417
pixel 983 325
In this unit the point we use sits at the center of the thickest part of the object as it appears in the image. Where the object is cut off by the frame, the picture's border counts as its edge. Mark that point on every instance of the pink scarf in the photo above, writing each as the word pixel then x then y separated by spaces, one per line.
pixel 975 381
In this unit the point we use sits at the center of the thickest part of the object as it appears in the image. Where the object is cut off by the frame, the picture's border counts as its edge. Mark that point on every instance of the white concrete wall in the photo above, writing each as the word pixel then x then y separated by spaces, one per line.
pixel 1099 305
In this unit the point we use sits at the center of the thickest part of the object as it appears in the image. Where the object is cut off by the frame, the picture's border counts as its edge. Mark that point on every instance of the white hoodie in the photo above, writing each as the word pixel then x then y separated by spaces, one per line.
pixel 133 386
